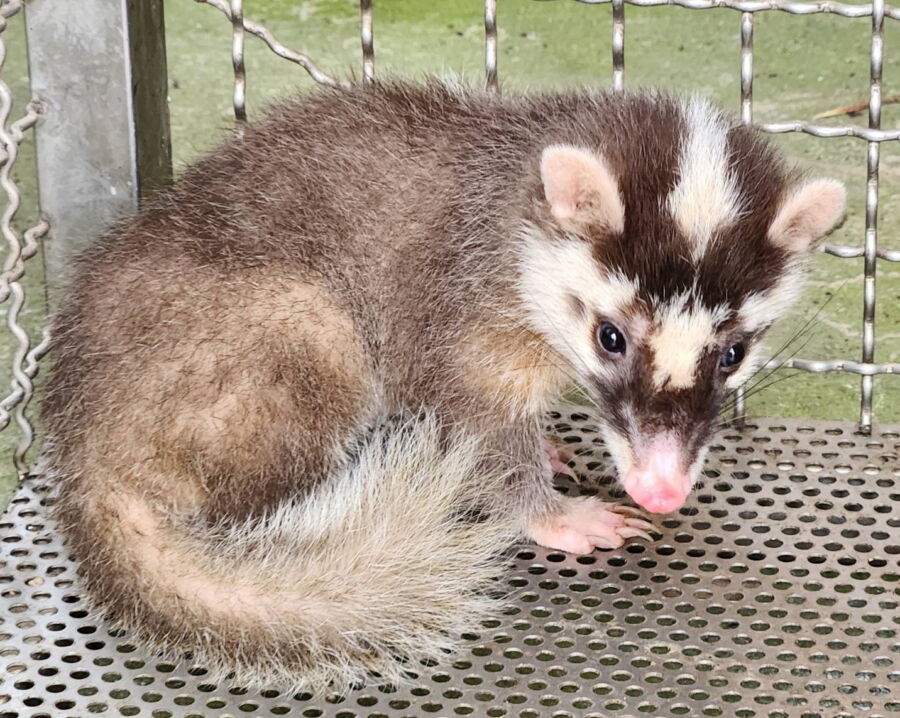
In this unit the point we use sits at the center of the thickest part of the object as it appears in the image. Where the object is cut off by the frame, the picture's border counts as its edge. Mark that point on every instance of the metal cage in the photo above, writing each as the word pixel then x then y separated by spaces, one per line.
pixel 774 595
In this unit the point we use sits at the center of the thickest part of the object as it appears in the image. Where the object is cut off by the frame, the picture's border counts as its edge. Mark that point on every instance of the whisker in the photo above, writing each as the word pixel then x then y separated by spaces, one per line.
pixel 748 388
pixel 763 387
pixel 800 332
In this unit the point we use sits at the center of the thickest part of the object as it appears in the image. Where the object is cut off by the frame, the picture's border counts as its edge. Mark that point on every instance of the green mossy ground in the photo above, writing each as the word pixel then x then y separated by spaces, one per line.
pixel 803 66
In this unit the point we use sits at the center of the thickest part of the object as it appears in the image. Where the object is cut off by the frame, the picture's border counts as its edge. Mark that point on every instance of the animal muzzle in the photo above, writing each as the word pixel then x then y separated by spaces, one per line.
pixel 659 480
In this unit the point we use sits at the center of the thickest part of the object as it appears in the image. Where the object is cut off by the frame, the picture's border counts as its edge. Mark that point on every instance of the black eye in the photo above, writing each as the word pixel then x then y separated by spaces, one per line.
pixel 611 338
pixel 733 356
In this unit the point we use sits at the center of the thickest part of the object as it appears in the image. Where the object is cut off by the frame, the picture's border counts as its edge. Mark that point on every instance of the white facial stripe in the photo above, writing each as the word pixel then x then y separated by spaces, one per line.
pixel 550 273
pixel 706 196
pixel 758 311
pixel 620 450
pixel 683 333
pixel 695 468
pixel 762 308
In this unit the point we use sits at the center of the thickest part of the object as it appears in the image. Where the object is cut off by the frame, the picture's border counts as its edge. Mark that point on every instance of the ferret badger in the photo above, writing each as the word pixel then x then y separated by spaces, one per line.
pixel 225 362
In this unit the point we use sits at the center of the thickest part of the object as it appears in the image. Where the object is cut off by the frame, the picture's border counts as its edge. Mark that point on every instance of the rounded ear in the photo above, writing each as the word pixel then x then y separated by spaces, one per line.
pixel 580 188
pixel 807 214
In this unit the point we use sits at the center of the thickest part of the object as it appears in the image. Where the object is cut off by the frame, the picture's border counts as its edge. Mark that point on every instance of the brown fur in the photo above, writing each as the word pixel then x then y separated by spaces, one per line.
pixel 221 359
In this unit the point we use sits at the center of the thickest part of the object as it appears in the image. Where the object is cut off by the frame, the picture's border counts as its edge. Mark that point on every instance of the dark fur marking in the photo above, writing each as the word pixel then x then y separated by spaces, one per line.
pixel 740 259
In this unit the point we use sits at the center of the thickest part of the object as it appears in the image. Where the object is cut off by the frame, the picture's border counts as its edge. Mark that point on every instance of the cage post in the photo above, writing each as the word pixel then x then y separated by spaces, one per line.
pixel 367 40
pixel 98 70
pixel 873 156
pixel 490 45
pixel 239 96
pixel 747 68
pixel 739 414
pixel 618 44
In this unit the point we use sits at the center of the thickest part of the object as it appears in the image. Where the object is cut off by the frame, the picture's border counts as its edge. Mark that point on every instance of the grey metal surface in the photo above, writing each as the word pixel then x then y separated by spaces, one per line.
pixel 83 77
pixel 774 595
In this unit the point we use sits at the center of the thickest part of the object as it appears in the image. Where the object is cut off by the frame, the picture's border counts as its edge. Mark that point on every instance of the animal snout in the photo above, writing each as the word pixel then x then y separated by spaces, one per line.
pixel 659 481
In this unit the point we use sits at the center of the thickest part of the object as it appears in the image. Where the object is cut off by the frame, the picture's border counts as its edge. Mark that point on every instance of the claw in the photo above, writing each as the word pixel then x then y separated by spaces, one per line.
pixel 641 524
pixel 628 511
pixel 605 544
pixel 630 532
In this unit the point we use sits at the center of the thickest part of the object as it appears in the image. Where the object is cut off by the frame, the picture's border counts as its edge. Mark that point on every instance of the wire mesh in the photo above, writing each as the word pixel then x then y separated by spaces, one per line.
pixel 20 248
pixel 873 135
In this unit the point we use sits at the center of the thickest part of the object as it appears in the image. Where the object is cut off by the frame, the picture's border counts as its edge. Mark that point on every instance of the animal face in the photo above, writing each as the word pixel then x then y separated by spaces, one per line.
pixel 657 274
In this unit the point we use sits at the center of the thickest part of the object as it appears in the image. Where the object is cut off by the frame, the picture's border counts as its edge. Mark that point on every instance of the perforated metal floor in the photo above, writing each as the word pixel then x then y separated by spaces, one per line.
pixel 775 594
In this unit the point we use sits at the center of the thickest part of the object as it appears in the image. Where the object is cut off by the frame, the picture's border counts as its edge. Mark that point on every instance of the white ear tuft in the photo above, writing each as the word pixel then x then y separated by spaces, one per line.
pixel 808 213
pixel 579 187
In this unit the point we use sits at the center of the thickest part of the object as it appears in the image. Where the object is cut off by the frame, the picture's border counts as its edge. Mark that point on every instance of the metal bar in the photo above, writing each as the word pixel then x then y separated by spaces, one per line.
pixel 490 44
pixel 747 68
pixel 87 150
pixel 367 39
pixel 10 8
pixel 873 156
pixel 239 97
pixel 298 58
pixel 868 134
pixel 740 405
pixel 817 366
pixel 792 8
pixel 888 255
pixel 618 44
pixel 149 90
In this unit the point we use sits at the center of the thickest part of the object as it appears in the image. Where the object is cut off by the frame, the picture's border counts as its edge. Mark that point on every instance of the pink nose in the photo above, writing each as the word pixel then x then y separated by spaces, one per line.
pixel 659 484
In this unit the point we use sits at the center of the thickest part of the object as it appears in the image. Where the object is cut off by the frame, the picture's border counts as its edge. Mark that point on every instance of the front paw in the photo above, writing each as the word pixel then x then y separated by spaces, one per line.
pixel 586 523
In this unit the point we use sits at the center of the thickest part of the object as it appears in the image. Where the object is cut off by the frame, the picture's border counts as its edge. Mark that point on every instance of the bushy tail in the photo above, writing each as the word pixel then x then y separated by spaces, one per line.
pixel 377 570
